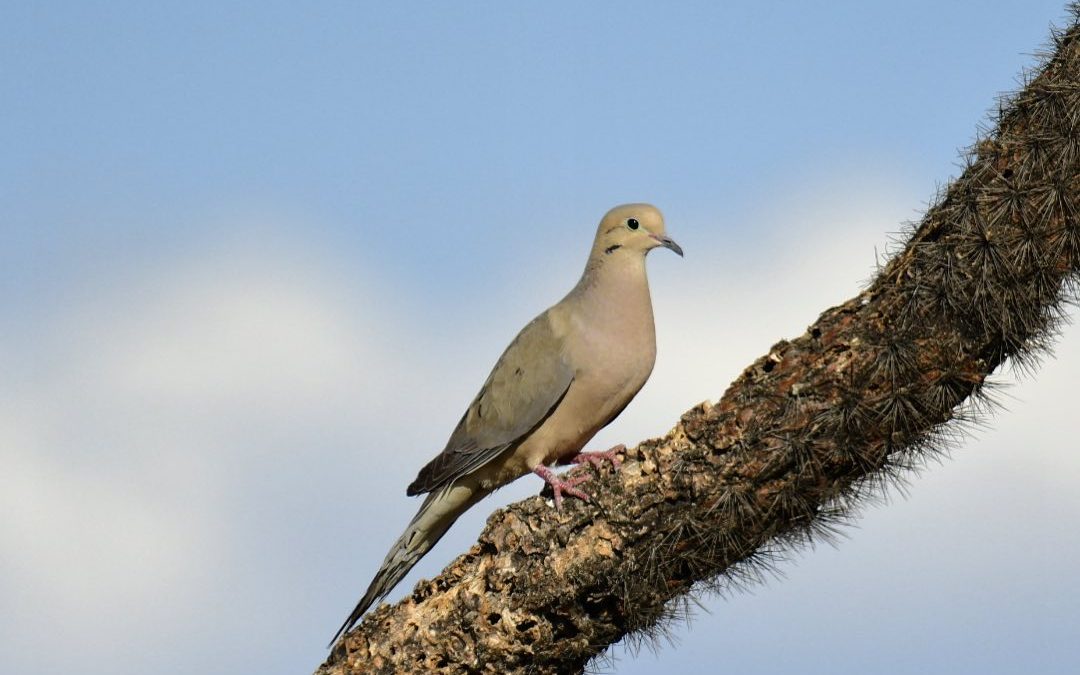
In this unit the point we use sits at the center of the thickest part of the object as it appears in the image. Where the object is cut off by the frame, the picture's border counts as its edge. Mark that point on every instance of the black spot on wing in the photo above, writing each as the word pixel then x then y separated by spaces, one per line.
pixel 448 466
pixel 529 380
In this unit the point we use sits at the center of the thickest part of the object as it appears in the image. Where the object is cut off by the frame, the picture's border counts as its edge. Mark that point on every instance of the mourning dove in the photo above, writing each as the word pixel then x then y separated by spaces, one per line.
pixel 565 376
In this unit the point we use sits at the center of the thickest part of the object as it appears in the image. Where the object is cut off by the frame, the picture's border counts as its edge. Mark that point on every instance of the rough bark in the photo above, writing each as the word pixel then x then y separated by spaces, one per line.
pixel 799 439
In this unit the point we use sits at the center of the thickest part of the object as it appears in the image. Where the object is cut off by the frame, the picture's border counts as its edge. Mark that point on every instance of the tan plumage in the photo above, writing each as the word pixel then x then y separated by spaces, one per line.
pixel 565 376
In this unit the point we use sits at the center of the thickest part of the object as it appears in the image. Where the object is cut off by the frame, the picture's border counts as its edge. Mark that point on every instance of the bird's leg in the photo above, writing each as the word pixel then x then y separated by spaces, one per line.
pixel 597 458
pixel 559 485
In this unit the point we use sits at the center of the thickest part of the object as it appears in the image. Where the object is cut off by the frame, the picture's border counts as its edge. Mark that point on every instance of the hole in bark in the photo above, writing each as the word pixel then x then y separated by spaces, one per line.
pixel 815 332
pixel 526 625
pixel 493 618
pixel 769 365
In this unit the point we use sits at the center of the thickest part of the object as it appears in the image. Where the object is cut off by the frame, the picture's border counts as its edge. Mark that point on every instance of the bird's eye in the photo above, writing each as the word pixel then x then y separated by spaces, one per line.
pixel 632 223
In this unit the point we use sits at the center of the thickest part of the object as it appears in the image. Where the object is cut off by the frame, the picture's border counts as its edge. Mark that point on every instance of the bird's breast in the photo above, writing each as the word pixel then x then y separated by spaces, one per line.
pixel 612 358
pixel 617 344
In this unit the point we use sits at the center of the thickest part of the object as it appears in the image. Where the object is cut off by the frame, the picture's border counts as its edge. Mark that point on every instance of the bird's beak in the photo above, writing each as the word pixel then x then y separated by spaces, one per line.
pixel 668 242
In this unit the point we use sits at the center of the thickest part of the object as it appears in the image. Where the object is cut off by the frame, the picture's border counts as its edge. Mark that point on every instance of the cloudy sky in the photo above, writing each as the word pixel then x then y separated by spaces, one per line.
pixel 257 258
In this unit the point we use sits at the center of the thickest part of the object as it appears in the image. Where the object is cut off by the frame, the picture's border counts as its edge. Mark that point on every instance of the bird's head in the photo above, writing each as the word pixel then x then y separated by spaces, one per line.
pixel 632 228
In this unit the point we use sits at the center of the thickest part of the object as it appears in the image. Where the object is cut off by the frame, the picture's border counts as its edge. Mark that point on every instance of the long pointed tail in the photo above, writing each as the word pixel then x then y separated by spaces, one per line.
pixel 436 515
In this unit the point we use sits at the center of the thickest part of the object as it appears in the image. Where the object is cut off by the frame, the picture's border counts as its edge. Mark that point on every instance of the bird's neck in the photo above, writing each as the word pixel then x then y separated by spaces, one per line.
pixel 612 280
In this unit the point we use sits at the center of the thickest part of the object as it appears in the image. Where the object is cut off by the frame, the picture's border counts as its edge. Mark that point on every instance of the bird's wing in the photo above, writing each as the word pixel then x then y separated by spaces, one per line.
pixel 526 385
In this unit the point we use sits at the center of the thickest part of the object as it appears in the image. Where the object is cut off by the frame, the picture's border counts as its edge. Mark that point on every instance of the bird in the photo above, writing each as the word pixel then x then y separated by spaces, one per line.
pixel 567 374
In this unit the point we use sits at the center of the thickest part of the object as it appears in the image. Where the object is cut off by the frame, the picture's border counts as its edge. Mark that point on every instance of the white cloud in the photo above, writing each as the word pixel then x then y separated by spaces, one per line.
pixel 137 430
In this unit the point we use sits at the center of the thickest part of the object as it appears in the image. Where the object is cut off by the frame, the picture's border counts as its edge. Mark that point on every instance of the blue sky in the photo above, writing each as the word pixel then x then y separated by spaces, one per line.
pixel 257 258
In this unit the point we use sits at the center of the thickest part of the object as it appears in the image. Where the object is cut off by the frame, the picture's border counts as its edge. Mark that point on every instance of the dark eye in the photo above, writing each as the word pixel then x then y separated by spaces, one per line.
pixel 632 223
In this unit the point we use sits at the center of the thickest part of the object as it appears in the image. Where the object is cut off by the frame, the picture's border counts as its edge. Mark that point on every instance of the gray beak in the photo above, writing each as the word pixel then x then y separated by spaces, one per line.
pixel 668 242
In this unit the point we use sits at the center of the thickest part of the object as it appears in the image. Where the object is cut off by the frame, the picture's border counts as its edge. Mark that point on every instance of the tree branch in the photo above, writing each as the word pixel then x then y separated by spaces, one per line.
pixel 798 440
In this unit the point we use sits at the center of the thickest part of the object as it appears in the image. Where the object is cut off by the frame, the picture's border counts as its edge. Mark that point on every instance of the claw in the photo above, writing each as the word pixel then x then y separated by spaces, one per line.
pixel 597 459
pixel 559 485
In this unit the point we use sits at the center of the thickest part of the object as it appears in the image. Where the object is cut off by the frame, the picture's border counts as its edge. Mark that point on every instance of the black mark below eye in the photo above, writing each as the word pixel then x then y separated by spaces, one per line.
pixel 632 223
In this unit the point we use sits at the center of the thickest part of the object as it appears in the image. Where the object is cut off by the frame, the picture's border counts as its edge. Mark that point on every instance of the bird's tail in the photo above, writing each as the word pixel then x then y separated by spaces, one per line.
pixel 436 515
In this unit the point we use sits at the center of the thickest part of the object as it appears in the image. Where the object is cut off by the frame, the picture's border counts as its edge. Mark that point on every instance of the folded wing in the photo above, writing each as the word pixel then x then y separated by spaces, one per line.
pixel 524 388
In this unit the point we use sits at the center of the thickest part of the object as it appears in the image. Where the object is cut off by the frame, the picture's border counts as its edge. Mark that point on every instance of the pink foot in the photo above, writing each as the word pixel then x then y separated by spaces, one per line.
pixel 597 458
pixel 560 485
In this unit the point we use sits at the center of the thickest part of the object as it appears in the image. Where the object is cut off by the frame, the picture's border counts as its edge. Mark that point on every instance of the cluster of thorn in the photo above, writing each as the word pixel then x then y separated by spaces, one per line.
pixel 892 378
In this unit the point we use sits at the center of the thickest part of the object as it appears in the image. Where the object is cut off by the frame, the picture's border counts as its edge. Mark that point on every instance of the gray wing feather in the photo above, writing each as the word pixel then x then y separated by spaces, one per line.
pixel 525 386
